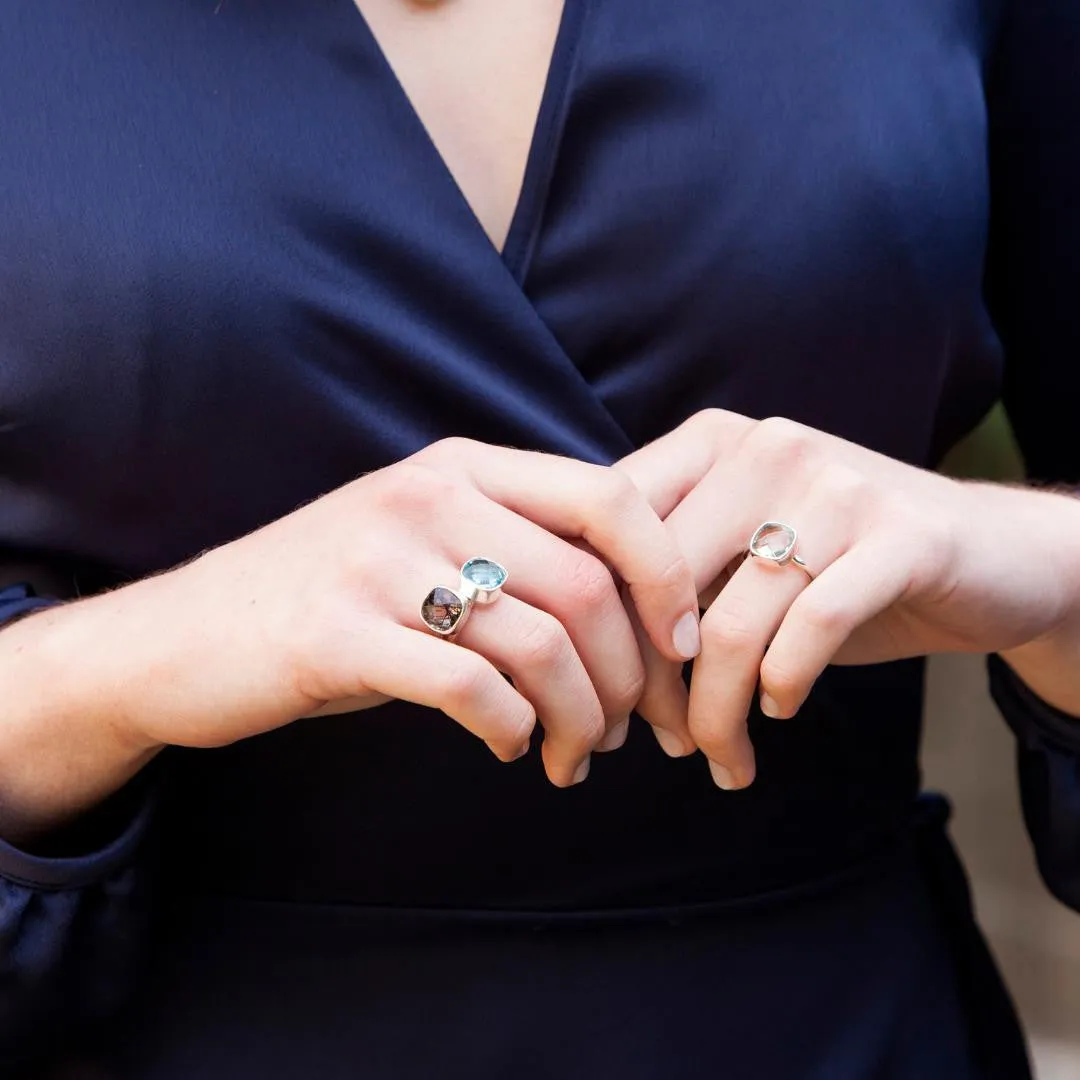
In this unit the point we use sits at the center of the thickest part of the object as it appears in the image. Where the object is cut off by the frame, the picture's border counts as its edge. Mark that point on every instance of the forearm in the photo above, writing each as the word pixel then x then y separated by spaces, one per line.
pixel 64 744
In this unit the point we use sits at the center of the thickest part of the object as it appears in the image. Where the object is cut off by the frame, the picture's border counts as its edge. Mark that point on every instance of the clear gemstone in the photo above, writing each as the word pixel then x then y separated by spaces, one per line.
pixel 441 609
pixel 773 541
pixel 484 573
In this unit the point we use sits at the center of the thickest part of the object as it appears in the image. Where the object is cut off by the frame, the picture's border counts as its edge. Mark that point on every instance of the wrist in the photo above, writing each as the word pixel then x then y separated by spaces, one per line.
pixel 62 752
pixel 1049 663
pixel 75 664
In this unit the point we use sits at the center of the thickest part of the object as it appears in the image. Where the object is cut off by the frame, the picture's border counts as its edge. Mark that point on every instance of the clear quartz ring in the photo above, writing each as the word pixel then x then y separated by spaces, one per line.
pixel 774 542
pixel 445 610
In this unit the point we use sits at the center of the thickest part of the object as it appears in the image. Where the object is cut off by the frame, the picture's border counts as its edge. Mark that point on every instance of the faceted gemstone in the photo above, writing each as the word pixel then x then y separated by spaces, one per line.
pixel 773 541
pixel 442 609
pixel 484 573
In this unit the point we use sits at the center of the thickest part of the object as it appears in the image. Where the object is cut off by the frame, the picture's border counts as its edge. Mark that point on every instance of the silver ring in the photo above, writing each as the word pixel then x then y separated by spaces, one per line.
pixel 774 542
pixel 482 580
pixel 445 611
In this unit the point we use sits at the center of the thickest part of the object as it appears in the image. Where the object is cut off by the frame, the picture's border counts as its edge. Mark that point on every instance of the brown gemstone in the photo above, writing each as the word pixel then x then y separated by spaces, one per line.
pixel 442 609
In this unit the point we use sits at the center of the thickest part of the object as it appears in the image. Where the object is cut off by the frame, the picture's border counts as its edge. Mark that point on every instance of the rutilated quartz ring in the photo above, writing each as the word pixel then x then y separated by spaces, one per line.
pixel 774 542
pixel 445 610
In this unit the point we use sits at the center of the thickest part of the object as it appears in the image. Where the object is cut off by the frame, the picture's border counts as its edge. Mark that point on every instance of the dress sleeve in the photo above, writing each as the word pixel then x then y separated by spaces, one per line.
pixel 72 919
pixel 1033 289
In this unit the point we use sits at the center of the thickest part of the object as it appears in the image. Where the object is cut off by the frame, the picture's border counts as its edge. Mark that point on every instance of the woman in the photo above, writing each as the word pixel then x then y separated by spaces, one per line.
pixel 447 265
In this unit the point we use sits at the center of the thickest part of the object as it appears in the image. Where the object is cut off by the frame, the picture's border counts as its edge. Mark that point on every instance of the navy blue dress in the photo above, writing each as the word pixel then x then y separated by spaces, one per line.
pixel 235 273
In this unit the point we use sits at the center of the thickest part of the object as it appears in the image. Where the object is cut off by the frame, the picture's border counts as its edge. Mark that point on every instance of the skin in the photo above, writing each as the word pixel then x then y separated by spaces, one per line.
pixel 319 612
pixel 906 563
pixel 907 572
pixel 475 73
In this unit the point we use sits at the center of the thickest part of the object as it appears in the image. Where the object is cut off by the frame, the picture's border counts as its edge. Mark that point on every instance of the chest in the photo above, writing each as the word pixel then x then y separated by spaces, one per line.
pixel 474 73
pixel 336 220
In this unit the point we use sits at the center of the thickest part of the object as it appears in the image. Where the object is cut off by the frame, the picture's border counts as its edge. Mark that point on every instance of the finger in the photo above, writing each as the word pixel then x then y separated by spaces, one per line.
pixel 712 591
pixel 765 466
pixel 668 469
pixel 664 702
pixel 736 632
pixel 534 649
pixel 570 584
pixel 347 705
pixel 418 667
pixel 858 586
pixel 603 507
pixel 713 524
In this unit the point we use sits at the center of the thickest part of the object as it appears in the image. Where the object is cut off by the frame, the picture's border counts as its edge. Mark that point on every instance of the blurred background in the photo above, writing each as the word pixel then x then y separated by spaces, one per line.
pixel 968 753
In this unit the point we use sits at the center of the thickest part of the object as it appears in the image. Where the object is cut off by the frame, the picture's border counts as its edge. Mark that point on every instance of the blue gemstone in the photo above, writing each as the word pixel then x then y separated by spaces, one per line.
pixel 484 573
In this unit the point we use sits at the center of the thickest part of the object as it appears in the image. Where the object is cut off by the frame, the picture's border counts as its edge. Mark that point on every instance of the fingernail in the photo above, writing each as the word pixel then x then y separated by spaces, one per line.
pixel 670 743
pixel 686 637
pixel 582 771
pixel 722 777
pixel 615 737
pixel 769 707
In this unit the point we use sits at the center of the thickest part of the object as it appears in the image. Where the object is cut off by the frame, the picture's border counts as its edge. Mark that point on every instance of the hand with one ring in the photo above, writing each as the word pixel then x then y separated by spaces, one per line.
pixel 333 607
pixel 809 550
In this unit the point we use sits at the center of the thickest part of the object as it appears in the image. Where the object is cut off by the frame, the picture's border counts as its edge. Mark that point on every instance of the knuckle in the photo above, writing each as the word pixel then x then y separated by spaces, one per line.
pixel 616 493
pixel 588 584
pixel 713 737
pixel 414 488
pixel 632 689
pixel 455 449
pixel 731 628
pixel 520 725
pixel 777 428
pixel 587 732
pixel 823 618
pixel 464 685
pixel 713 423
pixel 708 420
pixel 730 636
pixel 782 680
pixel 712 418
pixel 544 644
pixel 778 443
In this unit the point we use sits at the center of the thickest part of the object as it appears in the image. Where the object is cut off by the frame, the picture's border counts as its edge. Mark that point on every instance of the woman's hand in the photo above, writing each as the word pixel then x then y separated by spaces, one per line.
pixel 904 562
pixel 323 606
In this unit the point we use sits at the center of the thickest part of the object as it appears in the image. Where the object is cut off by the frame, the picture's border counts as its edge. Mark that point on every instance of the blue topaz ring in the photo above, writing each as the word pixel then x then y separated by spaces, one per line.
pixel 482 580
pixel 774 542
pixel 445 610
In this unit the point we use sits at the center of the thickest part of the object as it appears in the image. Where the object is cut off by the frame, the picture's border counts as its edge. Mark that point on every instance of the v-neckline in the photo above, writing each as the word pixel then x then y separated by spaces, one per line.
pixel 523 231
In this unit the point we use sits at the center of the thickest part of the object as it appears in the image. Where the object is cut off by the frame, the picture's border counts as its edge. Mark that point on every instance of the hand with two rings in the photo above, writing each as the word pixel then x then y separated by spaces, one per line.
pixel 517 560
pixel 808 550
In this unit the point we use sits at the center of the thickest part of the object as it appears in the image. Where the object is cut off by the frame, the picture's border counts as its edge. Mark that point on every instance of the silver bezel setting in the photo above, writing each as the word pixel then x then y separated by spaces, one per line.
pixel 457 623
pixel 475 591
pixel 777 558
